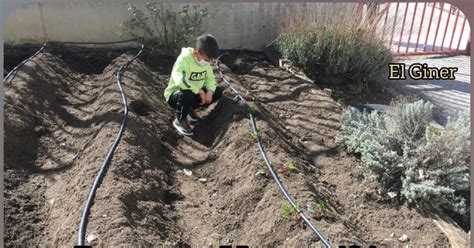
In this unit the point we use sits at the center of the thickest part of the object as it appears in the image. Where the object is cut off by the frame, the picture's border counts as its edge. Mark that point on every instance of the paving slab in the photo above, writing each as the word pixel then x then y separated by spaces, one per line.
pixel 450 97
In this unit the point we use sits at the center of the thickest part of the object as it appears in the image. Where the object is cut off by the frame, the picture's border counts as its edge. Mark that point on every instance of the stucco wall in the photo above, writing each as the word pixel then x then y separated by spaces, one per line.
pixel 235 25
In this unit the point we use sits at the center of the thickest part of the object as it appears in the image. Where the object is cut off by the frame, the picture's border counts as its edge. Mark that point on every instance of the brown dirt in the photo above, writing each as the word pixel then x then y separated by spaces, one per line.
pixel 60 122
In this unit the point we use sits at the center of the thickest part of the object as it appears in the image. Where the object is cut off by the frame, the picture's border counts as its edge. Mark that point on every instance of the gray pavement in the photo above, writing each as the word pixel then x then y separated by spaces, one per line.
pixel 450 97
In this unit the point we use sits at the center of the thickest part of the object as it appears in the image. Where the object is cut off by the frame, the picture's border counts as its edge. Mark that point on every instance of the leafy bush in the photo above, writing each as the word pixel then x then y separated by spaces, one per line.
pixel 400 149
pixel 338 50
pixel 161 29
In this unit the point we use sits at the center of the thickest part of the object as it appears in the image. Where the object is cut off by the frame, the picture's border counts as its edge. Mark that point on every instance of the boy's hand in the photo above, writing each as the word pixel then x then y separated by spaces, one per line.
pixel 209 97
pixel 202 97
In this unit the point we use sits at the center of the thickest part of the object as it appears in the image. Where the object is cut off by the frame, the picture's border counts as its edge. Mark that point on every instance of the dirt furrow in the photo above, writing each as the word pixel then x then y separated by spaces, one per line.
pixel 62 115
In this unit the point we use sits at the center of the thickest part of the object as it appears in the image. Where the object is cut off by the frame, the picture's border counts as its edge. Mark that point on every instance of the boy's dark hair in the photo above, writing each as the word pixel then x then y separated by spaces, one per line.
pixel 206 44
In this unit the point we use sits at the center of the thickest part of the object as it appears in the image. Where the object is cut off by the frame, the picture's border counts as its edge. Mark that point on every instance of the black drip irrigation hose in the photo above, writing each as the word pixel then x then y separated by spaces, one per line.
pixel 12 72
pixel 100 175
pixel 267 162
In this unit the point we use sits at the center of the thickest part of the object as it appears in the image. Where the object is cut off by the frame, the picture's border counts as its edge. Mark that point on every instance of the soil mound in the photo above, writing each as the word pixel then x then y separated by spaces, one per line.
pixel 60 122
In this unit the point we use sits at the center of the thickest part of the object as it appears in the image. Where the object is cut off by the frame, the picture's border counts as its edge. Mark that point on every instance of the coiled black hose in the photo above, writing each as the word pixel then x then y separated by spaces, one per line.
pixel 267 162
pixel 90 198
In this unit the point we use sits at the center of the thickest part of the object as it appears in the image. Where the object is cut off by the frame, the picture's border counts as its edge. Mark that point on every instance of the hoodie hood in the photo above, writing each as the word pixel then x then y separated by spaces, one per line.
pixel 187 54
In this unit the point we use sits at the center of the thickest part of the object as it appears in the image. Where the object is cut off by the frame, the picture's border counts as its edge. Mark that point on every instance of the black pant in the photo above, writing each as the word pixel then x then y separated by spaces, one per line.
pixel 183 101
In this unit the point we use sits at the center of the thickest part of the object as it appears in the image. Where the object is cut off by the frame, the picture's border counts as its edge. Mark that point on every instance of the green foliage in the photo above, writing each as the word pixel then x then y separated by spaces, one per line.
pixel 341 103
pixel 263 171
pixel 289 211
pixel 406 154
pixel 322 207
pixel 334 50
pixel 287 168
pixel 250 110
pixel 319 211
pixel 254 136
pixel 161 29
pixel 291 166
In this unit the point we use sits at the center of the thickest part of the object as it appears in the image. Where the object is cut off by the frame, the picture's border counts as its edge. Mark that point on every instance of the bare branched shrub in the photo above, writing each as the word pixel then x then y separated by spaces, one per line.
pixel 163 30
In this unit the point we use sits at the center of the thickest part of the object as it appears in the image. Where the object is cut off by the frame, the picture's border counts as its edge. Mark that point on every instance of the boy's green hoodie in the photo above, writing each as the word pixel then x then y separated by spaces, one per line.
pixel 188 75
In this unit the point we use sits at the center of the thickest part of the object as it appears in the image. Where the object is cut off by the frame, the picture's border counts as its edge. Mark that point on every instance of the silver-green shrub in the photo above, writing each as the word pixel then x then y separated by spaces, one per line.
pixel 407 155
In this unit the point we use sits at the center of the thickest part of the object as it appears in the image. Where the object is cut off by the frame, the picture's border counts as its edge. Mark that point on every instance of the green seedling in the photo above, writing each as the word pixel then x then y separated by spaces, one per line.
pixel 341 103
pixel 290 212
pixel 287 168
pixel 322 207
pixel 319 212
pixel 263 171
pixel 254 136
pixel 291 166
pixel 250 110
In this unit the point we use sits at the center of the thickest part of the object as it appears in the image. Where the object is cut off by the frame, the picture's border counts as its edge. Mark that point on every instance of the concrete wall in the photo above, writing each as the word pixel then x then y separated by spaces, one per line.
pixel 235 25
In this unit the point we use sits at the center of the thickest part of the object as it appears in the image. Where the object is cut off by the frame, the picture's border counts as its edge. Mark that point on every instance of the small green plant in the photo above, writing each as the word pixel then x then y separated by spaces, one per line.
pixel 263 171
pixel 290 166
pixel 250 110
pixel 318 212
pixel 162 29
pixel 341 103
pixel 254 136
pixel 290 212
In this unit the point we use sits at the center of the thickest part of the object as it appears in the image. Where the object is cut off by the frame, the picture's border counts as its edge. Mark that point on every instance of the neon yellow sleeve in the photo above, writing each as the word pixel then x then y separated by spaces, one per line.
pixel 178 74
pixel 210 82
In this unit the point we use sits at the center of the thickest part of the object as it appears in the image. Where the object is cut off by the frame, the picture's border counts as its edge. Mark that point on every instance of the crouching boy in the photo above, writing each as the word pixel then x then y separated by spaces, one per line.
pixel 192 83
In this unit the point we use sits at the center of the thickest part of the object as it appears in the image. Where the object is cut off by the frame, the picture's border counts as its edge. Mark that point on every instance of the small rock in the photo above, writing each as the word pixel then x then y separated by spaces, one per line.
pixel 91 238
pixel 104 215
pixel 62 144
pixel 287 239
pixel 392 235
pixel 187 172
pixel 202 180
pixel 403 238
pixel 40 130
pixel 215 194
pixel 215 236
pixel 229 241
pixel 328 91
pixel 392 195
pixel 51 201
